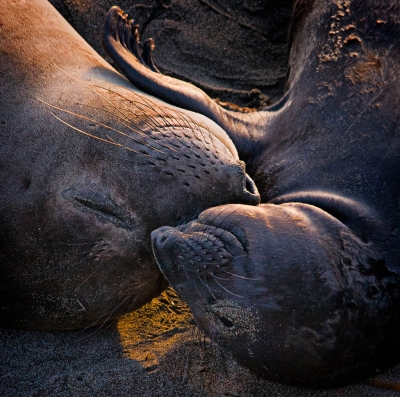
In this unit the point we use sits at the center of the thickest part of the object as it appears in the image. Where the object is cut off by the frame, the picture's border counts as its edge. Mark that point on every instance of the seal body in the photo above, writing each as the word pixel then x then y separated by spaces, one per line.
pixel 88 168
pixel 304 288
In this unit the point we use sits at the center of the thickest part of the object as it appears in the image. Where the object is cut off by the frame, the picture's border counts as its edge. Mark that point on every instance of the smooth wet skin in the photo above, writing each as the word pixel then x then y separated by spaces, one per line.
pixel 89 167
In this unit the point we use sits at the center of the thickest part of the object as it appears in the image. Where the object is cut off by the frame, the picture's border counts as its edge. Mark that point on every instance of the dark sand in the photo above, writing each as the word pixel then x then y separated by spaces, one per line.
pixel 155 351
pixel 237 51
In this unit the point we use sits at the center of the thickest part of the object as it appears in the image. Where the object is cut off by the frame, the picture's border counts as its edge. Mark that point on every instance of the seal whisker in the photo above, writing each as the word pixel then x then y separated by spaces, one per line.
pixel 186 219
pixel 223 220
pixel 104 326
pixel 230 292
pixel 219 278
pixel 178 116
pixel 98 138
pixel 152 125
pixel 132 102
pixel 208 287
pixel 107 313
pixel 90 86
pixel 90 275
pixel 101 124
pixel 102 96
pixel 171 113
pixel 140 105
pixel 151 105
pixel 182 116
pixel 147 120
pixel 133 127
pixel 245 278
pixel 192 122
pixel 95 329
pixel 218 211
pixel 158 128
pixel 195 284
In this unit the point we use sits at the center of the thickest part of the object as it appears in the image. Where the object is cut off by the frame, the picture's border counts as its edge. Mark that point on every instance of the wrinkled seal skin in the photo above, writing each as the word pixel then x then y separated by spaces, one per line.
pixel 304 289
pixel 76 213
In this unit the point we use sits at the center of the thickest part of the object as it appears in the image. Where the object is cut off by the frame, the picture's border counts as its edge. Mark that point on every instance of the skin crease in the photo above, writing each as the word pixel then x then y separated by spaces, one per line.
pixel 76 210
pixel 302 289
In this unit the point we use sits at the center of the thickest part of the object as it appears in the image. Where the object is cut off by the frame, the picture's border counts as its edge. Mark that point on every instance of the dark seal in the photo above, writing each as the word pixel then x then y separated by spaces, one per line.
pixel 303 289
pixel 88 168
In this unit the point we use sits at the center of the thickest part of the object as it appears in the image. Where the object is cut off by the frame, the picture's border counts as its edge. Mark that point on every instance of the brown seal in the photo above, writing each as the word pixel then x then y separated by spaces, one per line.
pixel 89 166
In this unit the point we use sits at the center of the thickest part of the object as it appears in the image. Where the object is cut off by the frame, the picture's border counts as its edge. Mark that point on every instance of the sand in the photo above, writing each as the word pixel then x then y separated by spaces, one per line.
pixel 155 351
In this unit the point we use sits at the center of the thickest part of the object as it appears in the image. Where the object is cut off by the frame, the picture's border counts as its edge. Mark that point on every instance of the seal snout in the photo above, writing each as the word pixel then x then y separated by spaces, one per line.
pixel 164 237
pixel 163 241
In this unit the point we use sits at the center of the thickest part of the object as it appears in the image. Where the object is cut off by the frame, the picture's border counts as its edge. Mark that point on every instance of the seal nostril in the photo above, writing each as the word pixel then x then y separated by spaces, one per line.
pixel 250 185
pixel 250 192
pixel 162 239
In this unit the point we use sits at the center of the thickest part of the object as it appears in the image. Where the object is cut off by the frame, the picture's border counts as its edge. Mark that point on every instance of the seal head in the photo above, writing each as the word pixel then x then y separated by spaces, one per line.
pixel 292 310
pixel 88 168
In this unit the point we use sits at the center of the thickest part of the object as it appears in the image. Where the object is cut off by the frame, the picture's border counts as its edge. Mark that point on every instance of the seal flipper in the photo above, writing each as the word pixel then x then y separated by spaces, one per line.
pixel 148 48
pixel 130 61
pixel 133 42
pixel 121 42
pixel 125 32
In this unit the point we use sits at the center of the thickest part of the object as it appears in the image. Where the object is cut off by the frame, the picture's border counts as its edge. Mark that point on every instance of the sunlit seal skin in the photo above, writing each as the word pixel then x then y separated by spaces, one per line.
pixel 304 289
pixel 88 168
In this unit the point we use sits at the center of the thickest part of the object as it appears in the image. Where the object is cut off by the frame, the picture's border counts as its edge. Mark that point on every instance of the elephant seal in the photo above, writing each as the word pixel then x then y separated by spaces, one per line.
pixel 303 289
pixel 89 166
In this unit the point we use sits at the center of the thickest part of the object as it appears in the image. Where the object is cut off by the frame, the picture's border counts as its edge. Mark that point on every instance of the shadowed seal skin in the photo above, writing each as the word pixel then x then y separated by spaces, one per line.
pixel 303 289
pixel 88 168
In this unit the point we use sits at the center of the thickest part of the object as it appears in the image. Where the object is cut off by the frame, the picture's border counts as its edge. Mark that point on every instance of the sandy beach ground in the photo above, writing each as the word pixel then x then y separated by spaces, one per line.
pixel 155 351
pixel 237 51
